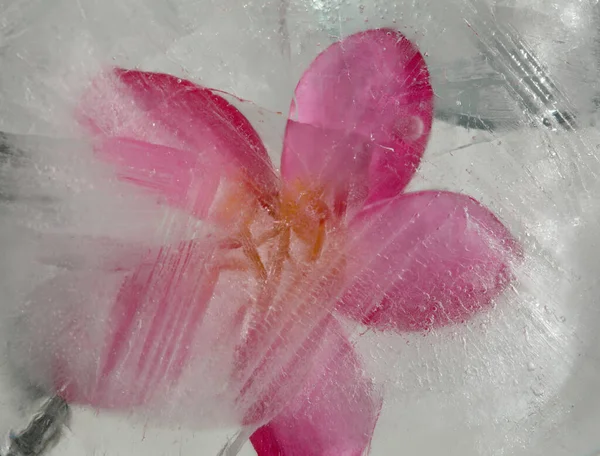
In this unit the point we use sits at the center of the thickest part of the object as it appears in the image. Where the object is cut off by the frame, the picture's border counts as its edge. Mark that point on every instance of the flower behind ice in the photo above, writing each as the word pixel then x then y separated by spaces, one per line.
pixel 246 320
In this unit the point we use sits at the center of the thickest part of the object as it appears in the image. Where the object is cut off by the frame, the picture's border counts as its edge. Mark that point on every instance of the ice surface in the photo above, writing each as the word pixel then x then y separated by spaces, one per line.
pixel 516 94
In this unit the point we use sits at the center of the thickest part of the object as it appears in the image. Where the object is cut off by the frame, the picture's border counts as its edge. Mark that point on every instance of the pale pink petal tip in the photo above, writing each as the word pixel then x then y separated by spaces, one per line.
pixel 425 260
pixel 370 96
pixel 335 413
pixel 123 353
pixel 176 177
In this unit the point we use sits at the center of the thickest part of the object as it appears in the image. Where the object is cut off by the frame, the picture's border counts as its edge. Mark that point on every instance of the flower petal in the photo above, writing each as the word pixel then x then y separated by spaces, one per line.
pixel 334 414
pixel 196 127
pixel 110 352
pixel 368 105
pixel 178 177
pixel 424 260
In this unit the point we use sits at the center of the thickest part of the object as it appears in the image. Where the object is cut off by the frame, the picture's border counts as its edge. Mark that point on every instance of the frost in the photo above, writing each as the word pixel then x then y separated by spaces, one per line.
pixel 516 95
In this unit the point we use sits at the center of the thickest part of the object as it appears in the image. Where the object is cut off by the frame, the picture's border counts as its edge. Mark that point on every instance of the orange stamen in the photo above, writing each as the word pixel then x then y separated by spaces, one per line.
pixel 251 251
pixel 298 210
pixel 319 241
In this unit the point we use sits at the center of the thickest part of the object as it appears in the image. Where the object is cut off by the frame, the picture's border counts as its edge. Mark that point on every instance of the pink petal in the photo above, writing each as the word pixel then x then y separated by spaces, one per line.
pixel 202 134
pixel 177 177
pixel 426 259
pixel 333 415
pixel 118 352
pixel 269 371
pixel 361 116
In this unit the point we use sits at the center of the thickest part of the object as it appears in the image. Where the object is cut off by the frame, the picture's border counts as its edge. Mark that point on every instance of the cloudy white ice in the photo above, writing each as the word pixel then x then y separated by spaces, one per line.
pixel 516 96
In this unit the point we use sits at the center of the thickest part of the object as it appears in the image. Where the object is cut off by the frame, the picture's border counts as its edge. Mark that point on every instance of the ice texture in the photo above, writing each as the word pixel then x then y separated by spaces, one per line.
pixel 515 87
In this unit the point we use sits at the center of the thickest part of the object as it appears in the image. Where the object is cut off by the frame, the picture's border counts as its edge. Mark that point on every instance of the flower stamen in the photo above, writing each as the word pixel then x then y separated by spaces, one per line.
pixel 251 251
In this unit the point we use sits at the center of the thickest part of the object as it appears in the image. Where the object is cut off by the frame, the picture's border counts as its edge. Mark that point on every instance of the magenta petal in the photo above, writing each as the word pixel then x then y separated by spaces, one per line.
pixel 367 99
pixel 178 177
pixel 114 340
pixel 196 126
pixel 333 415
pixel 424 260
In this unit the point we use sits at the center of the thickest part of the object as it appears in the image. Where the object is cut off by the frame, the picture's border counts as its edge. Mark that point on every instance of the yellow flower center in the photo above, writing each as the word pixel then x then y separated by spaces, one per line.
pixel 296 232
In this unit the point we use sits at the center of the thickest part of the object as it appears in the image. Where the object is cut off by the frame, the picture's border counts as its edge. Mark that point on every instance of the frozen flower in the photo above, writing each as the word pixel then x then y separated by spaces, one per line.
pixel 247 320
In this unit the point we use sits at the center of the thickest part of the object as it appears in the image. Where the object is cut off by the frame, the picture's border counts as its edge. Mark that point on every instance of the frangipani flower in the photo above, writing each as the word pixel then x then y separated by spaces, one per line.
pixel 249 323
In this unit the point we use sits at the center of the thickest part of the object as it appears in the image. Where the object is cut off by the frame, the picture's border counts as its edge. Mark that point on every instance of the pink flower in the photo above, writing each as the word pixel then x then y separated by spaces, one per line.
pixel 254 317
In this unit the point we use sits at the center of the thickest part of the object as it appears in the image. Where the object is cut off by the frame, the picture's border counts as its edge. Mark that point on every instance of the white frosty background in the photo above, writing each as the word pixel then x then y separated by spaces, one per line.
pixel 520 380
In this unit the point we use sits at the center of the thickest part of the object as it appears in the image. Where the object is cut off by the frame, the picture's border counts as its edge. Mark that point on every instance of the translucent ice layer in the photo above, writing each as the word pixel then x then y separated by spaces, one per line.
pixel 310 227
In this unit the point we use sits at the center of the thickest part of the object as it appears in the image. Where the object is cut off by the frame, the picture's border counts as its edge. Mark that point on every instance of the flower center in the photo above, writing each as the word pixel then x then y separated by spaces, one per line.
pixel 296 237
